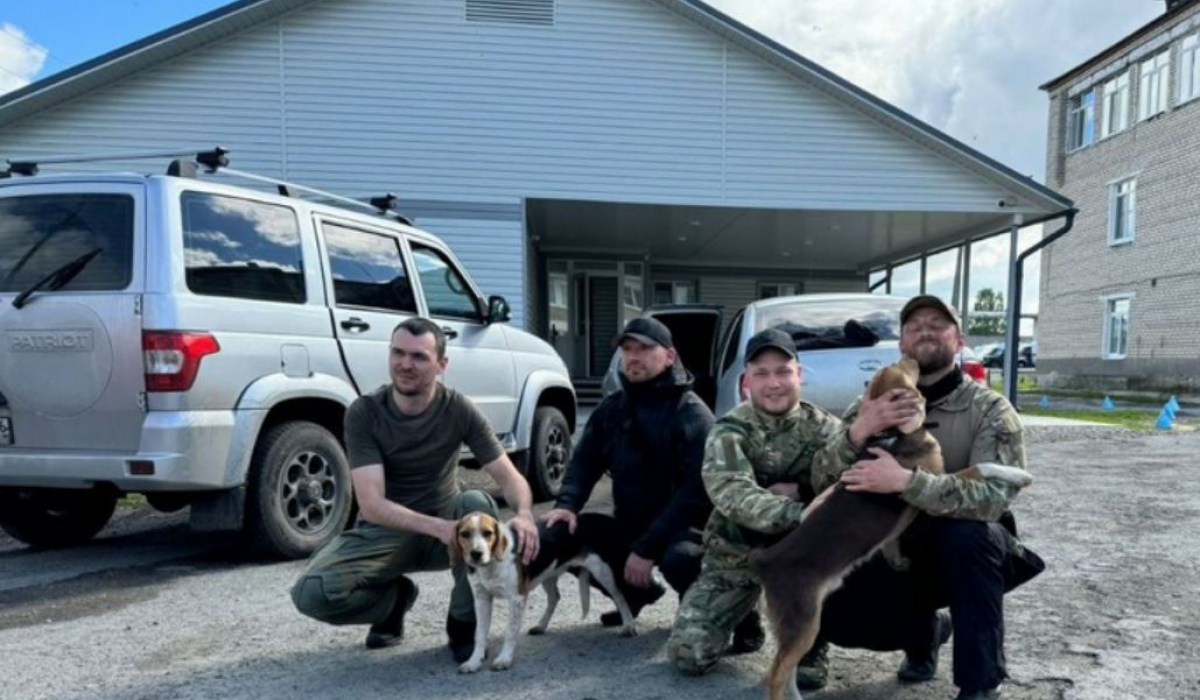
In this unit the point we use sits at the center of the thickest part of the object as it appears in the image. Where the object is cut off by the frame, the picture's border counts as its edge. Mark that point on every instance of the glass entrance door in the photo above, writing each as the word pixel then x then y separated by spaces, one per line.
pixel 587 304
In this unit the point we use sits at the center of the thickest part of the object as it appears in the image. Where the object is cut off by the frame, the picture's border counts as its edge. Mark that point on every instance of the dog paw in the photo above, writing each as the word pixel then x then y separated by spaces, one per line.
pixel 536 630
pixel 629 631
pixel 502 664
pixel 471 666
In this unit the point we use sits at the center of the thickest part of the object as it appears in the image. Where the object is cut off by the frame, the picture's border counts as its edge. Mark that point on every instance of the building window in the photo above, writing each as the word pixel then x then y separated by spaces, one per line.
pixel 675 292
pixel 1116 327
pixel 1122 211
pixel 1153 85
pixel 1189 68
pixel 1116 106
pixel 770 290
pixel 1081 120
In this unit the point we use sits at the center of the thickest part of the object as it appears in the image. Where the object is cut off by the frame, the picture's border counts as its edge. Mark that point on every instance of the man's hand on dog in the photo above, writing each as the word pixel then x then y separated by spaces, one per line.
pixel 896 407
pixel 883 474
pixel 637 571
pixel 527 535
pixel 561 515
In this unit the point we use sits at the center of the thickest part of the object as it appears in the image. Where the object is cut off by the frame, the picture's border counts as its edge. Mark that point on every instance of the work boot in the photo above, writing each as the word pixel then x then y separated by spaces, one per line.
pixel 390 630
pixel 636 602
pixel 461 636
pixel 748 636
pixel 812 673
pixel 922 666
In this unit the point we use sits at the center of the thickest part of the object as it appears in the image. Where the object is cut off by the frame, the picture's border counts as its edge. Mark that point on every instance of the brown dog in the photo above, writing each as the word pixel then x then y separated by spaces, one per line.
pixel 802 569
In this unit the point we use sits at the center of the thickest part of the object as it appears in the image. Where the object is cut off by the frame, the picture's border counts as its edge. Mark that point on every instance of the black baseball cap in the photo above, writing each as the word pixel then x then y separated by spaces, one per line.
pixel 771 338
pixel 928 301
pixel 647 330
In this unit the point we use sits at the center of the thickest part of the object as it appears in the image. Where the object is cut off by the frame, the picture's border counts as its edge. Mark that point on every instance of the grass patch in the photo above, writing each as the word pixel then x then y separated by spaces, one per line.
pixel 1132 419
pixel 1024 382
pixel 133 501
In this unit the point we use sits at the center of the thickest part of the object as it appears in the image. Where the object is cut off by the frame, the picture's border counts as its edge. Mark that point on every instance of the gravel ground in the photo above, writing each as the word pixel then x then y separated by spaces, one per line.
pixel 151 610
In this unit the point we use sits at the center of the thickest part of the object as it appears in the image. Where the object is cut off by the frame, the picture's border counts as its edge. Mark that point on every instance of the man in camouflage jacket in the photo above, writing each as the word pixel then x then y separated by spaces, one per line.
pixel 757 470
pixel 962 549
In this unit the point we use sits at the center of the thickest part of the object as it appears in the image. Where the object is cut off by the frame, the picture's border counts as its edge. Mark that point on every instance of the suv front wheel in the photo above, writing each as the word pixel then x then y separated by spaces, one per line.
pixel 299 495
pixel 549 453
pixel 49 518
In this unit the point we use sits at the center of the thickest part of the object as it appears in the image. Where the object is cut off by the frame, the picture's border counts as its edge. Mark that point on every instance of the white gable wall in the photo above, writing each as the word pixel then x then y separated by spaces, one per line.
pixel 620 100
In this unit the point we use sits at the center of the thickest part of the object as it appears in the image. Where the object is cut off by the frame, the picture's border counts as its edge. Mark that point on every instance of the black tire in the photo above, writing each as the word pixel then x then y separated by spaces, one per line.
pixel 549 453
pixel 298 493
pixel 50 518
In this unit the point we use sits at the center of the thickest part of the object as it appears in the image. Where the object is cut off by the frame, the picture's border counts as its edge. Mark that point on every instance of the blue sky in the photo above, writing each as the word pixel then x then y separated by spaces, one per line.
pixel 968 67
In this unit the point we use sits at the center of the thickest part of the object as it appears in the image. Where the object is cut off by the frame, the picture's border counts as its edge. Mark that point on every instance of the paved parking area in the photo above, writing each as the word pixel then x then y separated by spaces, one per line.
pixel 151 610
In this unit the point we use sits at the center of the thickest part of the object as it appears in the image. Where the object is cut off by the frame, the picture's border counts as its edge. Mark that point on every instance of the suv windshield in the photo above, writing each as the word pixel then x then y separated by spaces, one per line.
pixel 41 233
pixel 825 320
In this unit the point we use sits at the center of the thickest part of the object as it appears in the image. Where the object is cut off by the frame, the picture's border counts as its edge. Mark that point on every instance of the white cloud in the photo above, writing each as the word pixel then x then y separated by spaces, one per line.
pixel 970 68
pixel 20 58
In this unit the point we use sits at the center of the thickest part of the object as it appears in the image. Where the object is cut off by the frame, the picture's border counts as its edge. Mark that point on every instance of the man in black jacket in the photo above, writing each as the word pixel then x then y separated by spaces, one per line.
pixel 649 437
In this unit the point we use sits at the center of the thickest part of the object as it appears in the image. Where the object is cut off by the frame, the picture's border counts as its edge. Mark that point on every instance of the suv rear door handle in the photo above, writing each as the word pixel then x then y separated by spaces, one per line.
pixel 355 323
pixel 449 332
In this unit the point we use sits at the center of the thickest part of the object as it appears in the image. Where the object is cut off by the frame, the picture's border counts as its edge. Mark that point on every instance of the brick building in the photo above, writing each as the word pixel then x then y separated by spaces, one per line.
pixel 1118 294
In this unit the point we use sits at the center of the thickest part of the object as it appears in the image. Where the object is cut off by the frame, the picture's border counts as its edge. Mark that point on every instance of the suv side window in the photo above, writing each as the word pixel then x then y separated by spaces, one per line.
pixel 446 290
pixel 367 270
pixel 241 248
pixel 731 341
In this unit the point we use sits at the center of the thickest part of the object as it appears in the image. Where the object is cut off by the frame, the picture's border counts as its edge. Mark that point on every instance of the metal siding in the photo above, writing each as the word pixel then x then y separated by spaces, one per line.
pixel 224 94
pixel 493 254
pixel 619 101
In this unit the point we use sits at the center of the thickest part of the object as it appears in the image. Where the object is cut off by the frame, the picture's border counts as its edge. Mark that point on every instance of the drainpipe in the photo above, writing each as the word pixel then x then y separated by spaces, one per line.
pixel 1016 275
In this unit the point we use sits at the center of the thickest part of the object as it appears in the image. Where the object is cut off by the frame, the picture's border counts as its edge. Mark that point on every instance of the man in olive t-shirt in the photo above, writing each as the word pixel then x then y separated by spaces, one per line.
pixel 403 441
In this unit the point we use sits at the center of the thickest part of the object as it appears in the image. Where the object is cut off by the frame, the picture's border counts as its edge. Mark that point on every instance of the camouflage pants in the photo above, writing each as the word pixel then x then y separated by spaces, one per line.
pixel 353 579
pixel 711 608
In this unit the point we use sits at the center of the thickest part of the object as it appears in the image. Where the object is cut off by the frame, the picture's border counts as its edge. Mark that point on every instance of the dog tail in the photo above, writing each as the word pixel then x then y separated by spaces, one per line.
pixel 585 591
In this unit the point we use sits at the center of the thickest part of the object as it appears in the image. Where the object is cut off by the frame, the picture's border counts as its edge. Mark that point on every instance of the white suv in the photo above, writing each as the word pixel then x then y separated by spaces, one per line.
pixel 199 343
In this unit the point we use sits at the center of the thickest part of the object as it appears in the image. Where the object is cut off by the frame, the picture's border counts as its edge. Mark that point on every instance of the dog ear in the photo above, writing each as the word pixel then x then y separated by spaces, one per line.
pixel 910 367
pixel 456 552
pixel 500 543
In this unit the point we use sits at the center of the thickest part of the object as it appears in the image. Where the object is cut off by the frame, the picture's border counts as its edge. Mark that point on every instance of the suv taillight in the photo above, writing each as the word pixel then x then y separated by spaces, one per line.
pixel 975 370
pixel 172 358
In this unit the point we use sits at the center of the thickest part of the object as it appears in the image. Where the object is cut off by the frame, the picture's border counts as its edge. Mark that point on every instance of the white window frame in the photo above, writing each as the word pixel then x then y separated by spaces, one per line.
pixel 1115 117
pixel 779 289
pixel 1122 225
pixel 1154 84
pixel 1081 120
pixel 1189 68
pixel 1111 303
pixel 689 290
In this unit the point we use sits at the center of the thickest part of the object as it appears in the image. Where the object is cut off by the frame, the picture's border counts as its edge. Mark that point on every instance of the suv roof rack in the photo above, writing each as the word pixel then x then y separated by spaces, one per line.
pixel 186 163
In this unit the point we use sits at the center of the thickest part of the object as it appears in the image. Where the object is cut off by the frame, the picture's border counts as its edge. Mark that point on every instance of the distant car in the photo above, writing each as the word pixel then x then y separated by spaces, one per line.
pixel 837 357
pixel 993 355
pixel 972 366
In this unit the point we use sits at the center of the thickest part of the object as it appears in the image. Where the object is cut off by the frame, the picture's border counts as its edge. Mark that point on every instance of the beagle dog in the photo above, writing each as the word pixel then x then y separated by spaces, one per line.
pixel 803 568
pixel 488 548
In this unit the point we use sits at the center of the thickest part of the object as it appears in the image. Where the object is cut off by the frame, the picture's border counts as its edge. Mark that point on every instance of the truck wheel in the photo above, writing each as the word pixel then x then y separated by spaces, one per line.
pixel 549 453
pixel 298 493
pixel 48 518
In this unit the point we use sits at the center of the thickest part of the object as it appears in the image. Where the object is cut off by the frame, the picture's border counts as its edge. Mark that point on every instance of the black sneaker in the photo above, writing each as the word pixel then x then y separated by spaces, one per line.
pixel 812 673
pixel 390 631
pixel 920 668
pixel 748 636
pixel 461 637
pixel 649 596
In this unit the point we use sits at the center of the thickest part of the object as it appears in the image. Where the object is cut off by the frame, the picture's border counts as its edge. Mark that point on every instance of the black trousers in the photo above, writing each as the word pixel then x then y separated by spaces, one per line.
pixel 964 565
pixel 609 538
